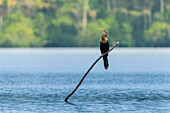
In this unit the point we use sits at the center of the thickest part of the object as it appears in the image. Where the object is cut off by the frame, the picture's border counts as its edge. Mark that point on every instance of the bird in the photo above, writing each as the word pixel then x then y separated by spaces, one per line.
pixel 104 47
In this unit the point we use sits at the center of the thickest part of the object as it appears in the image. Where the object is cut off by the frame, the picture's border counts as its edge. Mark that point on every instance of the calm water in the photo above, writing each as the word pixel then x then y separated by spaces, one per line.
pixel 38 80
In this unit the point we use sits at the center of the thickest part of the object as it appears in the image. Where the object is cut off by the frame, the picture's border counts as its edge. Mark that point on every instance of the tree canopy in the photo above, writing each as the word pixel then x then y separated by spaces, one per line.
pixel 75 23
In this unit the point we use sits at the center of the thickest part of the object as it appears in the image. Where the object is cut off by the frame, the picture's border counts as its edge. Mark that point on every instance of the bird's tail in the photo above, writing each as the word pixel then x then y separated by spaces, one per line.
pixel 106 64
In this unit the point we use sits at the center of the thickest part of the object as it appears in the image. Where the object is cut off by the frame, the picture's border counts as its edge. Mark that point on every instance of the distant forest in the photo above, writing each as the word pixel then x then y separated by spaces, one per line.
pixel 75 23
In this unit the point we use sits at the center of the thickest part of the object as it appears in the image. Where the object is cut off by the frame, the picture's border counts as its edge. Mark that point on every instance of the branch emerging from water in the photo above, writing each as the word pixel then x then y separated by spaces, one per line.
pixel 89 71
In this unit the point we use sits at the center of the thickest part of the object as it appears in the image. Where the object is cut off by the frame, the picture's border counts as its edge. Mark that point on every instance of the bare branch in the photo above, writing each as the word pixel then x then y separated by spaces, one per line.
pixel 89 71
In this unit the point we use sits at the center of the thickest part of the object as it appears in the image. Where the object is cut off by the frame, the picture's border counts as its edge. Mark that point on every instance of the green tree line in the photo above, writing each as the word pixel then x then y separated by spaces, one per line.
pixel 75 23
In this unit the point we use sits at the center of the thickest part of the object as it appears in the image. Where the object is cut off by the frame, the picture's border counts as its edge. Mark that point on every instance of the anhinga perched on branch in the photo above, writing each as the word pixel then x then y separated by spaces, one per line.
pixel 104 47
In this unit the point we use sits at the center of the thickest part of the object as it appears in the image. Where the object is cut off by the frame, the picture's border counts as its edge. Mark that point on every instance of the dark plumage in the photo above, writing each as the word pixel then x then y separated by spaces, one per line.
pixel 104 47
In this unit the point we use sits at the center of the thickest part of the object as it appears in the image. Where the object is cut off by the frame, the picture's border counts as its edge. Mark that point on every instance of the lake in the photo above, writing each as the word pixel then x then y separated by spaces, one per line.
pixel 37 80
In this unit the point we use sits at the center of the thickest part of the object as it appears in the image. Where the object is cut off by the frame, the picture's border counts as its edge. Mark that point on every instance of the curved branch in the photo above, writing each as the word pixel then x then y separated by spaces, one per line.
pixel 89 71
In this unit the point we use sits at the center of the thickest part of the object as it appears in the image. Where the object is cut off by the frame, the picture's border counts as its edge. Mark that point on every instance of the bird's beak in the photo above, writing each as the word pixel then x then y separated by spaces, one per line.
pixel 100 29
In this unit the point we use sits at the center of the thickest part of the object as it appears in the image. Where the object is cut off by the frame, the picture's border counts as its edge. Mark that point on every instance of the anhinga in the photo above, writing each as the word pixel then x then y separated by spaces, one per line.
pixel 104 47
